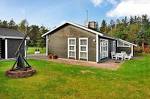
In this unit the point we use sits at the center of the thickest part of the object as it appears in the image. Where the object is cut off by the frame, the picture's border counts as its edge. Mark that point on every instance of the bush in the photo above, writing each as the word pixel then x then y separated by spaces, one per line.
pixel 138 49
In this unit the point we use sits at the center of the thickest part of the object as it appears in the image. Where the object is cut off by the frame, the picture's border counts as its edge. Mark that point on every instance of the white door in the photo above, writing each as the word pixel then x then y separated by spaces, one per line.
pixel 83 48
pixel 103 48
pixel 72 48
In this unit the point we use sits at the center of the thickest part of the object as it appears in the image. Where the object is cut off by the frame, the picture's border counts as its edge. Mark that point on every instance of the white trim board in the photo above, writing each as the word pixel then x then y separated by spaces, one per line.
pixel 13 37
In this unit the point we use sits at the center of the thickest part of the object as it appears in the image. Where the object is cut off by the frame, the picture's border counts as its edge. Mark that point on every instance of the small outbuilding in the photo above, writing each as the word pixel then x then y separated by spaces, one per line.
pixel 10 40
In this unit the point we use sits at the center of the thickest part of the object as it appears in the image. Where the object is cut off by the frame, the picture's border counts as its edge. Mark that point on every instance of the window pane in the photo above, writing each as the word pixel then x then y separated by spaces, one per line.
pixel 83 48
pixel 126 45
pixel 71 41
pixel 71 54
pixel 83 42
pixel 71 48
pixel 120 43
pixel 83 55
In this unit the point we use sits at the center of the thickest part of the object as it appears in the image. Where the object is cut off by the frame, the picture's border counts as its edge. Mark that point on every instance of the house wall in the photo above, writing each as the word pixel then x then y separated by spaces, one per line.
pixel 13 45
pixel 58 42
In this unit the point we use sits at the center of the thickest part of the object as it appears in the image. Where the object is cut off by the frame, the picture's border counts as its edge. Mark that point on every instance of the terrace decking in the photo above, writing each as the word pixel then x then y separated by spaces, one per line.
pixel 110 64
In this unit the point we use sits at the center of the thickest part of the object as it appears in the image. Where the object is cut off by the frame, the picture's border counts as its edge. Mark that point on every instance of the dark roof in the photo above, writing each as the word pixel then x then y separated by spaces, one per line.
pixel 5 32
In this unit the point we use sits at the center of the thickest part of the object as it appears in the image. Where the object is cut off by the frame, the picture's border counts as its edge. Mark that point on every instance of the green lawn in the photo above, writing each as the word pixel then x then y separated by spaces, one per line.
pixel 60 81
pixel 31 50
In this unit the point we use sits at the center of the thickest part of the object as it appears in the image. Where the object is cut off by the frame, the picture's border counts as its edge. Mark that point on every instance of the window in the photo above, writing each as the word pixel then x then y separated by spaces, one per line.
pixel 122 44
pixel 72 48
pixel 83 48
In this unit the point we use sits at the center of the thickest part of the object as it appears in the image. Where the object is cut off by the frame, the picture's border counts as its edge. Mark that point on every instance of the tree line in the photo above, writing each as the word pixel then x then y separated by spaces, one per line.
pixel 34 31
pixel 135 29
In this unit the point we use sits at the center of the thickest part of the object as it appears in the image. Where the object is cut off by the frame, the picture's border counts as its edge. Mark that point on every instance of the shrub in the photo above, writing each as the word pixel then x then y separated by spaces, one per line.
pixel 138 49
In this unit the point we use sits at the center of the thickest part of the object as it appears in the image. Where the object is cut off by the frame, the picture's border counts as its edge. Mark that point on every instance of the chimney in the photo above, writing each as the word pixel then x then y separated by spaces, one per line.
pixel 93 25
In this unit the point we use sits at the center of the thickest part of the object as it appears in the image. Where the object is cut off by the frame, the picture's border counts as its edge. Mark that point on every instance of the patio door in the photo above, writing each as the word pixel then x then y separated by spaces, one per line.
pixel 103 48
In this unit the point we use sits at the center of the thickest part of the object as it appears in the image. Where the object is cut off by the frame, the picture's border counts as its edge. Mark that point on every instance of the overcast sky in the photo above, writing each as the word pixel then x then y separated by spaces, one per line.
pixel 53 12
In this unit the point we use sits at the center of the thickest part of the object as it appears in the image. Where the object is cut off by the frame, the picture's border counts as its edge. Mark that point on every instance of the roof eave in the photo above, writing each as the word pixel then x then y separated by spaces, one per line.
pixel 128 42
pixel 13 37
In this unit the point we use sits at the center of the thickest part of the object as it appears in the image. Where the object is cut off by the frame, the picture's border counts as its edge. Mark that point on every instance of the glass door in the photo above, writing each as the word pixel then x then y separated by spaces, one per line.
pixel 103 48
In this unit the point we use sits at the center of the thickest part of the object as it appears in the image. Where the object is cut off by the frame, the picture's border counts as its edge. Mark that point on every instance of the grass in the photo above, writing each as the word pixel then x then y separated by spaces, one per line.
pixel 60 81
pixel 31 50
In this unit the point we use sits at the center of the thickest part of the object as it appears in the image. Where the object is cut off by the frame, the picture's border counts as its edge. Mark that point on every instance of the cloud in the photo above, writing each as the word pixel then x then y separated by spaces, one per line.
pixel 114 2
pixel 130 8
pixel 96 2
pixel 99 2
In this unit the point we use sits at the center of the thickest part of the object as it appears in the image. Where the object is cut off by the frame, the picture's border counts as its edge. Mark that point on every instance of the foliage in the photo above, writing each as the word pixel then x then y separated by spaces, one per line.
pixel 61 81
pixel 135 29
pixel 138 49
pixel 103 27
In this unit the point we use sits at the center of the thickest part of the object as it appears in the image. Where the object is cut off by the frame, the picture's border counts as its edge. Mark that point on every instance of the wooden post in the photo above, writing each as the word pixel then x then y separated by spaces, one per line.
pixel 132 50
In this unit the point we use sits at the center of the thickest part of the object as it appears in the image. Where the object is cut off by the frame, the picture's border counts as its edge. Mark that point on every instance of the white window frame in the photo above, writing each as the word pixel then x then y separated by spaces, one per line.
pixel 83 46
pixel 104 52
pixel 72 50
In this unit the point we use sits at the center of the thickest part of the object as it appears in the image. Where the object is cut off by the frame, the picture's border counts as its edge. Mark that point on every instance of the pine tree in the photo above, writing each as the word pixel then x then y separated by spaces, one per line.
pixel 12 24
pixel 112 24
pixel 103 27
